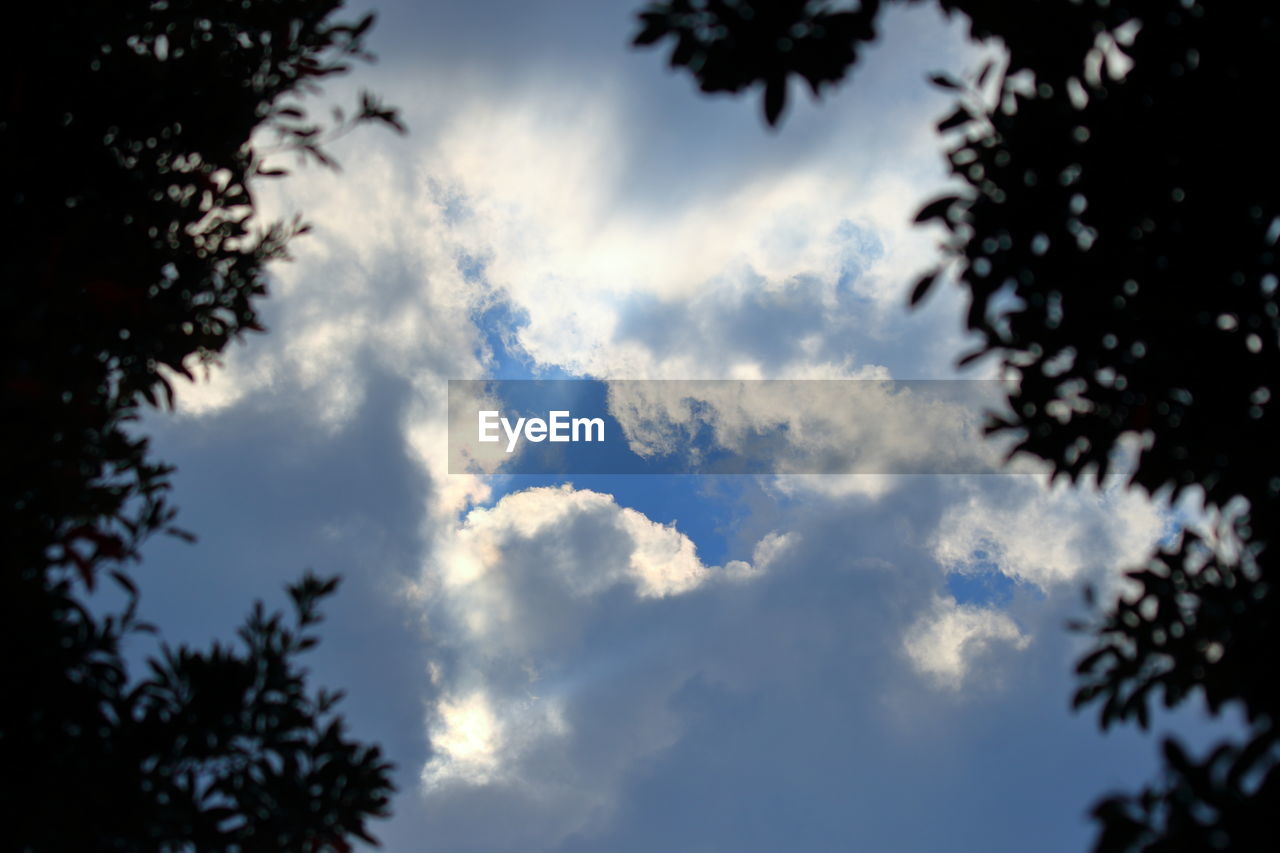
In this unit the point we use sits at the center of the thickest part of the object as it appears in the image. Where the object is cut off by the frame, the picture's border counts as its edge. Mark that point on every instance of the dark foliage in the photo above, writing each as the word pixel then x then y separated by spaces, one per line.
pixel 130 136
pixel 731 46
pixel 1116 232
pixel 217 750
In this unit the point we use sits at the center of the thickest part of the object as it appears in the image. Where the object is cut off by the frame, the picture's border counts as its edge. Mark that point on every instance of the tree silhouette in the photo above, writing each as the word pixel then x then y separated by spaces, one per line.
pixel 131 135
pixel 1116 234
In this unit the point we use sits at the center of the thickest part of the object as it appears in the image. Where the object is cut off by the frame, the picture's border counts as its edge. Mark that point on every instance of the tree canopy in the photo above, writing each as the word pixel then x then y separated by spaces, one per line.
pixel 131 136
pixel 1115 232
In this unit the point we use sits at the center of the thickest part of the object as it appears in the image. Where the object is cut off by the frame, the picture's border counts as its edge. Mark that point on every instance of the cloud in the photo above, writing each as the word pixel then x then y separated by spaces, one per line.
pixel 570 640
pixel 382 289
pixel 947 640
pixel 467 739
pixel 632 247
pixel 815 427
pixel 537 605
pixel 546 613
pixel 1047 536
pixel 719 287
pixel 582 539
pixel 501 201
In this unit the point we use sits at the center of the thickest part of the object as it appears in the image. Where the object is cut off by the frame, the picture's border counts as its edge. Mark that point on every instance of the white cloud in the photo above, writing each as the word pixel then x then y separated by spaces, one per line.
pixel 864 427
pixel 615 545
pixel 467 739
pixel 950 639
pixel 522 588
pixel 554 669
pixel 1046 536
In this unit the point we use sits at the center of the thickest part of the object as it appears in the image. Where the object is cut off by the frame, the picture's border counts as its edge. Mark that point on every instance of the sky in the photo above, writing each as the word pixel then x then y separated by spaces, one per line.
pixel 604 662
